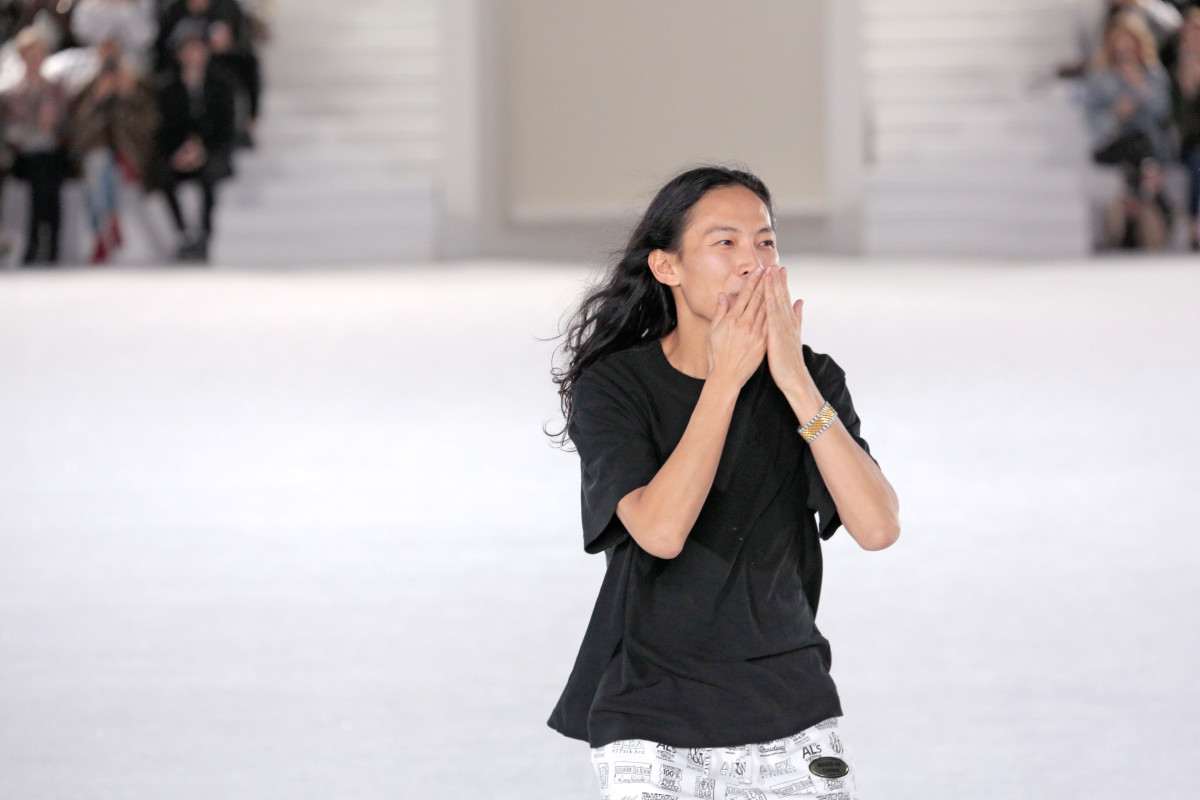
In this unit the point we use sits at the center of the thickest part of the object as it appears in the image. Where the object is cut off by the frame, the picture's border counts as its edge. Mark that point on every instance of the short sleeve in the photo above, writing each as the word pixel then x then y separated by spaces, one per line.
pixel 831 382
pixel 616 453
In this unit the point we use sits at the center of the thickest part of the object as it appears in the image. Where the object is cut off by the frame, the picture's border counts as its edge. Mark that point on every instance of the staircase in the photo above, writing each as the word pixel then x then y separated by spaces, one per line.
pixel 348 139
pixel 972 148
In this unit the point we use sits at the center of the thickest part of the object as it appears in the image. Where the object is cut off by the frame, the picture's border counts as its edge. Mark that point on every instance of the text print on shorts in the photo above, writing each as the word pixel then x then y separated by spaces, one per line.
pixel 812 763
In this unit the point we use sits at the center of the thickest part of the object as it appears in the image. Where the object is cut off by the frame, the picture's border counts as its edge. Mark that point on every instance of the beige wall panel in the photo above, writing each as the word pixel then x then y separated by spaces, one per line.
pixel 600 100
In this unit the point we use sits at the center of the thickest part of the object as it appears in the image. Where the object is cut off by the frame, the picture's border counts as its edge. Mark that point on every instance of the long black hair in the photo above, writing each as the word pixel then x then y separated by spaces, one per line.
pixel 629 305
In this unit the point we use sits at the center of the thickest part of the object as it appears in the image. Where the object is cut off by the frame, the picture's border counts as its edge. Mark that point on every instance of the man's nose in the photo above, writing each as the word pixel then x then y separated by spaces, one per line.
pixel 750 260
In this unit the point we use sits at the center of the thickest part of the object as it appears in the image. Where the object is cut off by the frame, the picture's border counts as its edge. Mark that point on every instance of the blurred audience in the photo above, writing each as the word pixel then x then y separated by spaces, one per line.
pixel 52 18
pixel 1141 94
pixel 35 113
pixel 1185 96
pixel 130 23
pixel 114 122
pixel 197 134
pixel 232 42
pixel 1128 104
pixel 149 93
pixel 1161 18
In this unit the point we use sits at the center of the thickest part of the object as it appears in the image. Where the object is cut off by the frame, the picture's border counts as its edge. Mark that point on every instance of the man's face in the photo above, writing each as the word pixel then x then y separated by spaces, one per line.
pixel 193 54
pixel 729 234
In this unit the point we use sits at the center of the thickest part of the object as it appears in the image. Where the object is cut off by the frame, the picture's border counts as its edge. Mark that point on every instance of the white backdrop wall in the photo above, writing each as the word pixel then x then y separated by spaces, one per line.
pixel 564 117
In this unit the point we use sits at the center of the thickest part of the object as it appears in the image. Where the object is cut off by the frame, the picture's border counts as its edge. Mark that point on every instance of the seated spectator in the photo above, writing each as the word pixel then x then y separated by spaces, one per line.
pixel 1128 108
pixel 197 131
pixel 1185 96
pixel 1092 17
pixel 114 124
pixel 232 42
pixel 131 23
pixel 53 19
pixel 35 112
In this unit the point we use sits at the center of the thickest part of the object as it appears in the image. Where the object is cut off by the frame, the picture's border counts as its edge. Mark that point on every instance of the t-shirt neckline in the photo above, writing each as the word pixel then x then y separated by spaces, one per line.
pixel 678 375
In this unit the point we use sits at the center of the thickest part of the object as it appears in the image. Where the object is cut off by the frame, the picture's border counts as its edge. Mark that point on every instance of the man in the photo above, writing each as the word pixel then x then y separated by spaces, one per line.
pixel 231 40
pixel 197 133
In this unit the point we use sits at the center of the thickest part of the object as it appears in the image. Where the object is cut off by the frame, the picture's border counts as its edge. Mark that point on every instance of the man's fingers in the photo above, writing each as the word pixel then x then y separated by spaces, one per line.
pixel 748 291
pixel 757 299
pixel 761 317
pixel 722 308
pixel 781 290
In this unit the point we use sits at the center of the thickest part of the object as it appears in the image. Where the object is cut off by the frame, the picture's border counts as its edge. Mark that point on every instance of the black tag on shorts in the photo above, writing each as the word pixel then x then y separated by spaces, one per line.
pixel 828 767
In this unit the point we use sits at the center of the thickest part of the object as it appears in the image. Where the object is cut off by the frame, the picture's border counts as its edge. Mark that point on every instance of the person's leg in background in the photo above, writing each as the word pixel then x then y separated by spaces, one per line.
pixel 189 245
pixel 100 180
pixel 1129 152
pixel 5 242
pixel 1191 162
pixel 45 174
pixel 208 187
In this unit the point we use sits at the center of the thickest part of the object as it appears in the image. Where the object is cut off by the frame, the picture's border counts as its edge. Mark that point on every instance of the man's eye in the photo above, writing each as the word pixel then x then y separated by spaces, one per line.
pixel 768 242
pixel 725 241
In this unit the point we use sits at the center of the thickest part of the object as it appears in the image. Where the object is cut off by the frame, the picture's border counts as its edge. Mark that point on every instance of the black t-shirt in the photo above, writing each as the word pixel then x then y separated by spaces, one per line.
pixel 718 646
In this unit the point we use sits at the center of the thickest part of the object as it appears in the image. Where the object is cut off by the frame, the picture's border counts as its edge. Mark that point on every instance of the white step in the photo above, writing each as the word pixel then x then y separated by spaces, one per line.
pixel 335 217
pixel 299 103
pixel 939 9
pixel 935 57
pixel 899 147
pixel 920 31
pixel 894 178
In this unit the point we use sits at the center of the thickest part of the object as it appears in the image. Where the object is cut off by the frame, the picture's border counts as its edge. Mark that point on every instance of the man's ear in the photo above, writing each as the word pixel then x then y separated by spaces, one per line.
pixel 664 267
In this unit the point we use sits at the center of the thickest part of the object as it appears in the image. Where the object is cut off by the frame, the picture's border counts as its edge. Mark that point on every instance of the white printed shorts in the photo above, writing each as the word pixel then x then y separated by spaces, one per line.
pixel 811 763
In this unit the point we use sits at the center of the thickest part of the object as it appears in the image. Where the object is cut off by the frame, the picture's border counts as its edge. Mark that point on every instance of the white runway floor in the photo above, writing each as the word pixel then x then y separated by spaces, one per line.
pixel 299 535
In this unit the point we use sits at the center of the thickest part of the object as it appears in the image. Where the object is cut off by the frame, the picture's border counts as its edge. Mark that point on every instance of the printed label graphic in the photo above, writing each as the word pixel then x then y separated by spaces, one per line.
pixel 602 773
pixel 775 770
pixel 665 752
pixel 772 748
pixel 812 751
pixel 706 788
pixel 793 787
pixel 798 739
pixel 738 770
pixel 631 772
pixel 628 747
pixel 670 778
pixel 825 725
pixel 835 744
pixel 698 758
pixel 744 794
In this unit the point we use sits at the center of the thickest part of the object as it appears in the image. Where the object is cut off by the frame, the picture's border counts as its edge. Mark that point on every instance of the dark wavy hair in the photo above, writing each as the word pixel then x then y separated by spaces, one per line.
pixel 628 305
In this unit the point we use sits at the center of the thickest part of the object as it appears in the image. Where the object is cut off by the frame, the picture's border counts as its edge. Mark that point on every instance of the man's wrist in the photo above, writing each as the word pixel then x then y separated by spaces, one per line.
pixel 804 398
pixel 722 388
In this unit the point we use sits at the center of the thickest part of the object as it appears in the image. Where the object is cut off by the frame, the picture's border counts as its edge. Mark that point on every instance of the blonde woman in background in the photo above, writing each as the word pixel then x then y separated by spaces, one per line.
pixel 1128 104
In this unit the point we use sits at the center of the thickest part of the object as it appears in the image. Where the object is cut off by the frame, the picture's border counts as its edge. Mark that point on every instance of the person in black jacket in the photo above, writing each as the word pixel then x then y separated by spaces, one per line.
pixel 197 133
pixel 232 43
